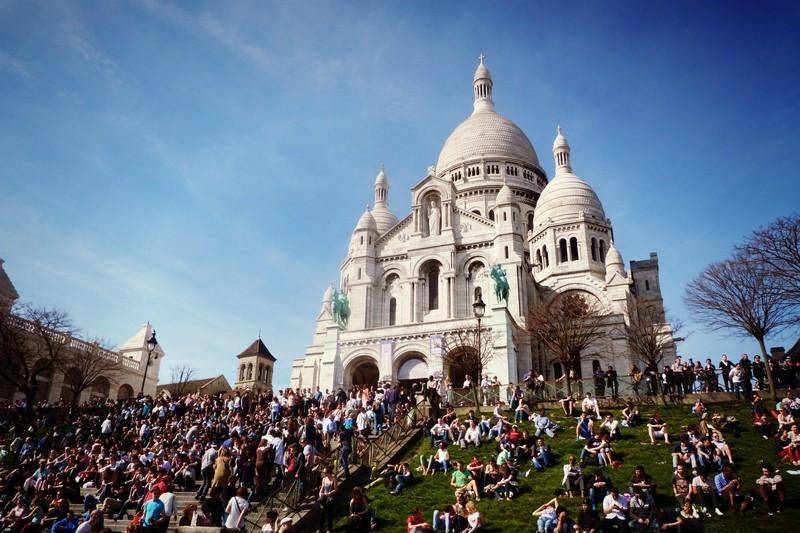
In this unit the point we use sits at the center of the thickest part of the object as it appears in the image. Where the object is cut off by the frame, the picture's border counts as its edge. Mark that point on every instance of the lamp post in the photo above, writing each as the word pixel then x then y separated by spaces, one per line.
pixel 478 309
pixel 152 344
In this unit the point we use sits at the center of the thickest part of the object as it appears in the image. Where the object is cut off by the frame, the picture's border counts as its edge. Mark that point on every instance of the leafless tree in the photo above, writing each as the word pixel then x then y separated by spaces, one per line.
pixel 181 376
pixel 33 345
pixel 87 364
pixel 568 325
pixel 650 336
pixel 467 352
pixel 778 247
pixel 743 297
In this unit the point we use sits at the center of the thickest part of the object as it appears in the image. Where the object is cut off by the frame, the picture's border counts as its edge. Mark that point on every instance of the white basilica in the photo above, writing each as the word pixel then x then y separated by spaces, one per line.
pixel 486 202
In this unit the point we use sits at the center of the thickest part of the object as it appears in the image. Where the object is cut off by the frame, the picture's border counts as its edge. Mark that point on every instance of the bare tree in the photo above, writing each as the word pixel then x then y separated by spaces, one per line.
pixel 88 364
pixel 743 297
pixel 778 247
pixel 181 376
pixel 567 326
pixel 650 336
pixel 33 344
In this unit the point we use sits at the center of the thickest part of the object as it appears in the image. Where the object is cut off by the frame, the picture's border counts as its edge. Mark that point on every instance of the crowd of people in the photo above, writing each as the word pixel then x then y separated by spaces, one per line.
pixel 704 481
pixel 76 469
pixel 128 459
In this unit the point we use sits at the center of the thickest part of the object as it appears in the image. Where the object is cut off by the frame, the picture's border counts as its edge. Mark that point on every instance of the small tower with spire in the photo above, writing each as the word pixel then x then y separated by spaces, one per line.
pixel 384 218
pixel 482 88
pixel 561 153
pixel 255 367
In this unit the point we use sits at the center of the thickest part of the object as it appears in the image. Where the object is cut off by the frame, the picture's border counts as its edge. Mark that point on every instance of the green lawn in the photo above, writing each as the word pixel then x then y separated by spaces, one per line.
pixel 434 492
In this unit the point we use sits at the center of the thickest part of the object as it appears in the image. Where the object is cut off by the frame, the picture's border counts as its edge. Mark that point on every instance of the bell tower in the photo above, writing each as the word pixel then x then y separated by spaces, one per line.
pixel 256 364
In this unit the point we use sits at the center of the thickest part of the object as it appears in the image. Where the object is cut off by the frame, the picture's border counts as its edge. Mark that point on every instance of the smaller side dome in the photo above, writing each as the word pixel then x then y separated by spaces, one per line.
pixel 328 294
pixel 367 222
pixel 505 196
pixel 614 263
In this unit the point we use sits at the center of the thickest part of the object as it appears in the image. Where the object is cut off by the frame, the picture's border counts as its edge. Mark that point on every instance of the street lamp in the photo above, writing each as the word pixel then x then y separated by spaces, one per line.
pixel 478 309
pixel 152 344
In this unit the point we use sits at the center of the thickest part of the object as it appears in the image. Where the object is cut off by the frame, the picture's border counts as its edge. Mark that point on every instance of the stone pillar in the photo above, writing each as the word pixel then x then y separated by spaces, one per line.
pixel 330 375
pixel 385 362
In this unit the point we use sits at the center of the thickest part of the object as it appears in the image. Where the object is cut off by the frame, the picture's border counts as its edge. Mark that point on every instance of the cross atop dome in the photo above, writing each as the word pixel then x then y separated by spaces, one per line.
pixel 482 87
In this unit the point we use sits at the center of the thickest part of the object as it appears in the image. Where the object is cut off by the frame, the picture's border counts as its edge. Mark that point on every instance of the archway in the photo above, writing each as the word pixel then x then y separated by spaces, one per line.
pixel 461 361
pixel 100 388
pixel 363 371
pixel 413 369
pixel 125 392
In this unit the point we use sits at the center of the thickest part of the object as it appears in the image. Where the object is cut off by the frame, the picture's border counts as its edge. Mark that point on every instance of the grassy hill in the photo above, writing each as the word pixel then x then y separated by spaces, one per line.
pixel 434 492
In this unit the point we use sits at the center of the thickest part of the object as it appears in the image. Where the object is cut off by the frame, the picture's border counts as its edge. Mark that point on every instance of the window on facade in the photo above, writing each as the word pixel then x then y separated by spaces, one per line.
pixel 573 249
pixel 539 264
pixel 647 284
pixel 545 256
pixel 530 221
pixel 602 250
pixel 362 239
pixel 359 273
pixel 477 294
pixel 505 217
pixel 369 240
pixel 595 365
pixel 594 249
pixel 505 248
pixel 433 286
pixel 562 251
pixel 392 311
pixel 491 215
pixel 476 212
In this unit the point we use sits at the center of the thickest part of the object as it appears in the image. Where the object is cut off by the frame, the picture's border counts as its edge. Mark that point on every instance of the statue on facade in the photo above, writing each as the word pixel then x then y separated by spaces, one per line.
pixel 501 289
pixel 434 219
pixel 341 308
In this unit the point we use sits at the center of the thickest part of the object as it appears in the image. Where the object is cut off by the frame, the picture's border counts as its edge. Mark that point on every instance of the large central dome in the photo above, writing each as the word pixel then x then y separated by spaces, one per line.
pixel 485 134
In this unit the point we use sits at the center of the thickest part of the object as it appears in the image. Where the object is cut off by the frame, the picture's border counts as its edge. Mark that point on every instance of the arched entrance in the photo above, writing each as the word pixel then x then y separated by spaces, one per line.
pixel 100 388
pixel 462 361
pixel 412 369
pixel 125 392
pixel 363 371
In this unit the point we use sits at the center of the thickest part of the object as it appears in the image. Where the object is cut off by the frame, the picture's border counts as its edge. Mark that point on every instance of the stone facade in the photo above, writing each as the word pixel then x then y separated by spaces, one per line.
pixel 126 381
pixel 256 365
pixel 487 202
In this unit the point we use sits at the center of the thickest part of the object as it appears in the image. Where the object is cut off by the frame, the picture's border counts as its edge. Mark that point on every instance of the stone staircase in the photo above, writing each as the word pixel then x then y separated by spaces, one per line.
pixel 182 499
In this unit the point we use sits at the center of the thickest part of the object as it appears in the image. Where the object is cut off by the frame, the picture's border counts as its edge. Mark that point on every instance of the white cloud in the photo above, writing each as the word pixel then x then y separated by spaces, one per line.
pixel 9 63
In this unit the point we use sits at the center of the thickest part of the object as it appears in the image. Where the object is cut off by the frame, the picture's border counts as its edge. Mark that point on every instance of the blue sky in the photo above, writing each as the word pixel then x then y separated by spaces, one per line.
pixel 201 165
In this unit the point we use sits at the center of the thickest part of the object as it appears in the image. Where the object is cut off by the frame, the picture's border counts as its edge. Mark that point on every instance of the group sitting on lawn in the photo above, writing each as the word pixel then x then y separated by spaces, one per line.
pixel 704 480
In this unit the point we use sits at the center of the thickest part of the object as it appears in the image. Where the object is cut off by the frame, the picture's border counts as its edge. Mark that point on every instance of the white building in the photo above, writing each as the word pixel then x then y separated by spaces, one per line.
pixel 131 376
pixel 486 202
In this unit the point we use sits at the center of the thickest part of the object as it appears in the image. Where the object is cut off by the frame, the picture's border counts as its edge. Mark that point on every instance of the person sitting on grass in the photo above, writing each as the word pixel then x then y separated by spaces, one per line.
pixel 563 522
pixel 611 425
pixel 680 484
pixel 585 427
pixel 790 445
pixel 463 482
pixel 440 461
pixel 546 514
pixel 573 481
pixel 630 415
pixel 615 507
pixel 453 517
pixel 698 408
pixel 497 429
pixel 491 474
pixel 708 454
pixel 762 424
pixel 642 510
pixel 474 518
pixel 360 518
pixel 440 432
pixel 642 480
pixel 475 468
pixel 569 404
pixel 684 453
pixel 719 441
pixel 415 523
pixel 598 488
pixel 770 486
pixel 657 429
pixel 472 435
pixel 728 487
pixel 703 493
pixel 506 487
pixel 504 456
pixel 589 405
pixel 592 450
pixel 402 478
pixel 588 520
pixel 522 413
pixel 543 457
